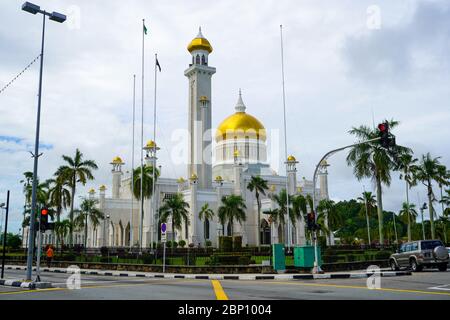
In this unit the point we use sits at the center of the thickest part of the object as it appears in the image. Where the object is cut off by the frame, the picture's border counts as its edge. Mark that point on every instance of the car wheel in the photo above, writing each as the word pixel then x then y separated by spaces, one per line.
pixel 414 266
pixel 393 266
pixel 442 267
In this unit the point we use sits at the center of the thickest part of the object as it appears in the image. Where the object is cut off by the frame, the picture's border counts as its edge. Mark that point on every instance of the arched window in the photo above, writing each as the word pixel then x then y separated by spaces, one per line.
pixel 203 60
pixel 206 229
pixel 197 59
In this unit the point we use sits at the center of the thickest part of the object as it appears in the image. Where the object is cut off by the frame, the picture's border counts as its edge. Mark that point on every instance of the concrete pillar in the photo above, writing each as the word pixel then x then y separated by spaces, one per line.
pixel 193 183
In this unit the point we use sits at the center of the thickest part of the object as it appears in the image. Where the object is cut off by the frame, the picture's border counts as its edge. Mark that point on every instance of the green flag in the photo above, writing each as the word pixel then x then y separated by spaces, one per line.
pixel 145 29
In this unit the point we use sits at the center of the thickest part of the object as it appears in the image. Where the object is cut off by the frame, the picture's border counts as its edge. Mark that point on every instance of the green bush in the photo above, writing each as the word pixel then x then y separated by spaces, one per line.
pixel 148 258
pixel 174 244
pixel 225 244
pixel 229 259
pixel 182 243
pixel 208 243
pixel 169 244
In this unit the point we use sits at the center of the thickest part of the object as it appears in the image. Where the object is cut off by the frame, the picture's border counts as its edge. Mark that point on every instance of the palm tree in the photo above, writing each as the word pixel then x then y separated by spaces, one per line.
pixel 147 183
pixel 368 206
pixel 76 170
pixel 206 213
pixel 332 217
pixel 429 170
pixel 408 214
pixel 88 211
pixel 371 160
pixel 259 186
pixel 300 206
pixel 222 216
pixel 59 194
pixel 177 209
pixel 280 213
pixel 445 200
pixel 233 208
pixel 62 229
pixel 406 165
pixel 28 178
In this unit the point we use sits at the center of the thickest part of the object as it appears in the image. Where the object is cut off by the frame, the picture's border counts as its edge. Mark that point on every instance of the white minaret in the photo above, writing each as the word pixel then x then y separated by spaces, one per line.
pixel 117 164
pixel 200 138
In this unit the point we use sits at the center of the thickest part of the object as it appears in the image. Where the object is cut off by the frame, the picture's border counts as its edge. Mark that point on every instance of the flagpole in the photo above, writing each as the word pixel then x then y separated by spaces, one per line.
pixel 154 168
pixel 289 235
pixel 132 164
pixel 142 145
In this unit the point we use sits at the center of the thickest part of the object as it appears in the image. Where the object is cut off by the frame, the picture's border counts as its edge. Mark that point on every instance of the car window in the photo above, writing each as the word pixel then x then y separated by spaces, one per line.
pixel 408 248
pixel 430 245
pixel 414 246
pixel 402 248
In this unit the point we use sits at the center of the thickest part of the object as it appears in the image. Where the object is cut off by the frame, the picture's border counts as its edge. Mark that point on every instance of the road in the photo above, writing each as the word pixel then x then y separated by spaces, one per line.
pixel 422 286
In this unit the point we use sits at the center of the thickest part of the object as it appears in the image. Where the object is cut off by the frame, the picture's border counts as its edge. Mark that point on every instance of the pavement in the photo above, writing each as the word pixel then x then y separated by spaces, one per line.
pixel 426 285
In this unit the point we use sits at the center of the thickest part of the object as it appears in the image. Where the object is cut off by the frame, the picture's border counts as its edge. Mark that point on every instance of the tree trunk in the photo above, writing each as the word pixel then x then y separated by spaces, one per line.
pixel 259 223
pixel 380 210
pixel 71 212
pixel 409 213
pixel 430 204
pixel 85 235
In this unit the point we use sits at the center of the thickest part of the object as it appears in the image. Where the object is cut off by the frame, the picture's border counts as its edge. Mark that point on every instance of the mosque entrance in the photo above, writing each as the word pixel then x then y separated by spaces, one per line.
pixel 265 232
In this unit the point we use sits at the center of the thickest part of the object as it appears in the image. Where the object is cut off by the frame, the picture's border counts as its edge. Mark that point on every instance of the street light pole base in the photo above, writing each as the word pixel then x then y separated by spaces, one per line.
pixel 317 270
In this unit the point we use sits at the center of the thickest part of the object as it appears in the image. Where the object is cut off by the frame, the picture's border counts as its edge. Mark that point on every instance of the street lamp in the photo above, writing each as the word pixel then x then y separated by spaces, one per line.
pixel 424 207
pixel 58 17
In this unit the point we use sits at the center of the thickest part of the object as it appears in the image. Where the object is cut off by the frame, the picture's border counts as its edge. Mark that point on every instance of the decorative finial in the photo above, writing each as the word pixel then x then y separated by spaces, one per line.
pixel 240 106
pixel 200 35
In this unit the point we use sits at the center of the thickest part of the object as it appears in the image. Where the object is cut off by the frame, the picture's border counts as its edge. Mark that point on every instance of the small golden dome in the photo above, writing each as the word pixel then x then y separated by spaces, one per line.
pixel 117 160
pixel 194 177
pixel 291 158
pixel 102 187
pixel 181 180
pixel 150 144
pixel 219 178
pixel 91 190
pixel 324 163
pixel 236 153
pixel 200 43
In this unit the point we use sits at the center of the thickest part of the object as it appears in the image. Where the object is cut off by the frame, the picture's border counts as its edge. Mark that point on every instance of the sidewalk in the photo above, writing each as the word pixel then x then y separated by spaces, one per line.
pixel 331 275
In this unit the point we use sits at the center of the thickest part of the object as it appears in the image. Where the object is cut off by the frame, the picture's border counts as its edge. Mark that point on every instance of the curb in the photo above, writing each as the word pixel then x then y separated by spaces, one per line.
pixel 223 276
pixel 26 284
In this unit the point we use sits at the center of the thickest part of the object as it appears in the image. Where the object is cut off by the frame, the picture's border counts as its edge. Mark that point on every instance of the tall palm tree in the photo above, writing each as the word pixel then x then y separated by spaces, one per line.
pixel 88 212
pixel 206 213
pixel 333 220
pixel 76 170
pixel 222 216
pixel 279 214
pixel 445 200
pixel 300 206
pixel 233 208
pixel 28 178
pixel 429 170
pixel 406 165
pixel 177 209
pixel 259 186
pixel 60 198
pixel 368 206
pixel 147 183
pixel 62 229
pixel 408 214
pixel 371 160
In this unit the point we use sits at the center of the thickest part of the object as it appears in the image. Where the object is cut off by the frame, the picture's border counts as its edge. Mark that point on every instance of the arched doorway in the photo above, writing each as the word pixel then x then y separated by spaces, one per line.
pixel 265 234
pixel 112 236
pixel 127 235
pixel 206 229
pixel 120 235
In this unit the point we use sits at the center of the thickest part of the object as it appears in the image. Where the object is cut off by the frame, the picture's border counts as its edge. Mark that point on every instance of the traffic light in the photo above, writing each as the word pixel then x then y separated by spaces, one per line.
pixel 310 221
pixel 383 129
pixel 44 219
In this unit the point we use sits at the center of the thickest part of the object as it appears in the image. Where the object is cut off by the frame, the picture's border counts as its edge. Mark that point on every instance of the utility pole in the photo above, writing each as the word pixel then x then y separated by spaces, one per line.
pixel 5 233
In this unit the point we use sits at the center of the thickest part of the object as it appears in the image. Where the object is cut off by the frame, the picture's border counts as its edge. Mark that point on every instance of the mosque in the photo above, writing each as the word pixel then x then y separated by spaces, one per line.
pixel 240 152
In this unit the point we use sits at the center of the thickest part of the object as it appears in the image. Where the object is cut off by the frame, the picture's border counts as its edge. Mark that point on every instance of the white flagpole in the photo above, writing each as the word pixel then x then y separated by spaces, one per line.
pixel 142 145
pixel 289 235
pixel 132 164
pixel 154 153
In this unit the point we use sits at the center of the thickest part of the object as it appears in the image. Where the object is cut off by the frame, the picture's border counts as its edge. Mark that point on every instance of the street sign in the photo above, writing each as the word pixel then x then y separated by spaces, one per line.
pixel 163 233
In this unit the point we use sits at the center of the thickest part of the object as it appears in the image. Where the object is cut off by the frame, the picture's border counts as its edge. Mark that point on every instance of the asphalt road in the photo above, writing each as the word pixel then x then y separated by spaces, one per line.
pixel 422 286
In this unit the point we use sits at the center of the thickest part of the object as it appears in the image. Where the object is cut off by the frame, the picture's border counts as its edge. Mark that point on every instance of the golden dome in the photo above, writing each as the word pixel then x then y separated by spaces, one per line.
pixel 291 158
pixel 194 176
pixel 181 180
pixel 151 145
pixel 324 163
pixel 240 125
pixel 117 160
pixel 91 190
pixel 219 178
pixel 200 43
pixel 102 187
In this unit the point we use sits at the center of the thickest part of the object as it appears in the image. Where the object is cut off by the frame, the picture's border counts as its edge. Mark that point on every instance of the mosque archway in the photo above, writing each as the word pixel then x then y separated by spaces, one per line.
pixel 265 233
pixel 127 235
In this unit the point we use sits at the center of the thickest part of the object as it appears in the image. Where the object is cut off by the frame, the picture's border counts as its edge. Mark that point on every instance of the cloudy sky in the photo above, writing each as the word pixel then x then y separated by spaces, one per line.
pixel 347 63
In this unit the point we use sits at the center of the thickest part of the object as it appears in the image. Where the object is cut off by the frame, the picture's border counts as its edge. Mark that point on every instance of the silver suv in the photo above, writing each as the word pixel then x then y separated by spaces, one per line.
pixel 419 254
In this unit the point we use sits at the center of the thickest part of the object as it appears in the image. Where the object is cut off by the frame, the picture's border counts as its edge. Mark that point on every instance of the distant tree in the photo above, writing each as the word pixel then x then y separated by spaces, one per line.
pixel 88 212
pixel 408 214
pixel 259 186
pixel 233 208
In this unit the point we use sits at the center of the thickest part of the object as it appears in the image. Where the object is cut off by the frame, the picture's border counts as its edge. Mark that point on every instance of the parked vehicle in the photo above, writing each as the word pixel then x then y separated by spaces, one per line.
pixel 419 254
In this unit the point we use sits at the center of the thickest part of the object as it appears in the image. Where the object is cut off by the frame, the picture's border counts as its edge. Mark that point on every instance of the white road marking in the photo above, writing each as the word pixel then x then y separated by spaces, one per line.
pixel 445 287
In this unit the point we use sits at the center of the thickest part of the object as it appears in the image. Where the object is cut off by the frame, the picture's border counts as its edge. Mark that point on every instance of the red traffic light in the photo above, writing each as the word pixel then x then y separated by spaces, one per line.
pixel 44 211
pixel 382 127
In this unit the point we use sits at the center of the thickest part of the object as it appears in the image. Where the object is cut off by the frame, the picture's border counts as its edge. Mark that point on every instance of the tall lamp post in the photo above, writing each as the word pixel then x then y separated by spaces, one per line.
pixel 422 208
pixel 2 206
pixel 58 17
